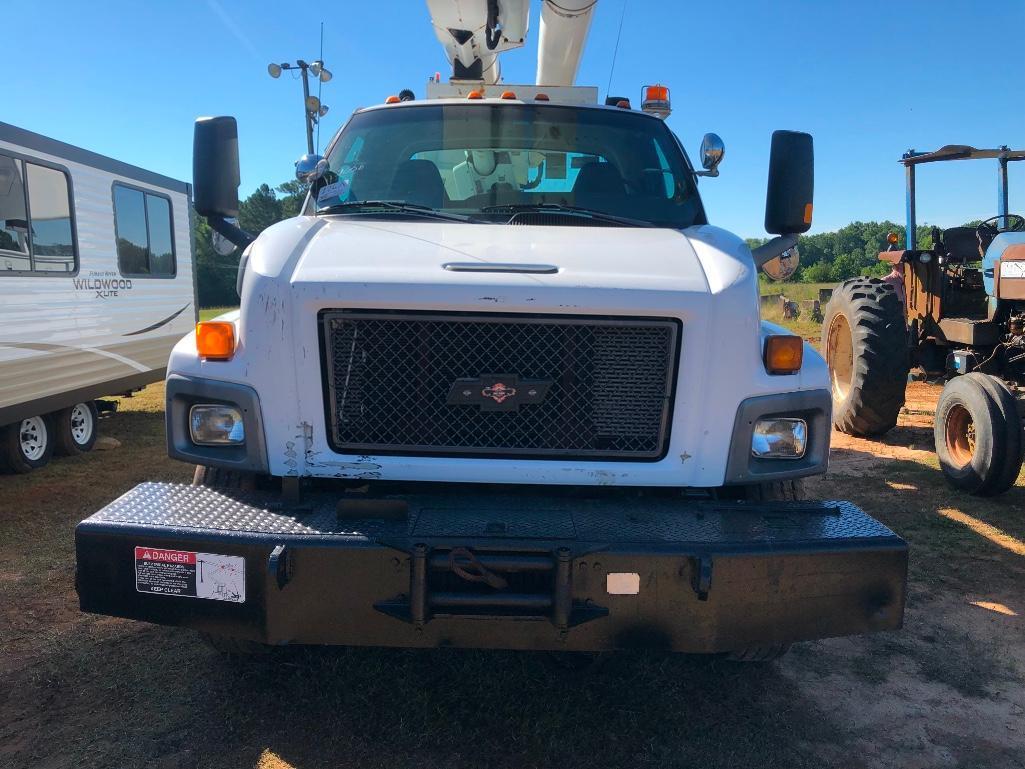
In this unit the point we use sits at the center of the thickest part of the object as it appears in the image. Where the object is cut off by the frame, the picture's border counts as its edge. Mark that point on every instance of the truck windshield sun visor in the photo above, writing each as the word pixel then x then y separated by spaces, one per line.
pixel 498 162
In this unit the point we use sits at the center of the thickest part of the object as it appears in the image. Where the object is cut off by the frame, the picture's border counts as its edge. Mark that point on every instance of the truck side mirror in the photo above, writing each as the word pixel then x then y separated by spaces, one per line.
pixel 215 171
pixel 215 176
pixel 788 204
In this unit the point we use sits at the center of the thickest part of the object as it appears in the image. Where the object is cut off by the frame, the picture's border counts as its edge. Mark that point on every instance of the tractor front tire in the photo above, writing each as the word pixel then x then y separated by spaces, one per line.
pixel 978 435
pixel 865 343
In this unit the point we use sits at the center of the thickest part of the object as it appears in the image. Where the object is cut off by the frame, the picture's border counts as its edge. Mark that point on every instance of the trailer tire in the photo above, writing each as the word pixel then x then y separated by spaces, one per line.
pixel 978 435
pixel 75 429
pixel 766 653
pixel 865 344
pixel 26 445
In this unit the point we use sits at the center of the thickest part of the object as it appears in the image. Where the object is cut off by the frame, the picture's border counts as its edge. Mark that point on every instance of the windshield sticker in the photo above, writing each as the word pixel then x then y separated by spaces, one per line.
pixel 338 190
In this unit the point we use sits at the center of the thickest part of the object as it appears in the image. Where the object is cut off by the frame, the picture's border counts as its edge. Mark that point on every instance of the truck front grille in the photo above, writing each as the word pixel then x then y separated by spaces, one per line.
pixel 451 384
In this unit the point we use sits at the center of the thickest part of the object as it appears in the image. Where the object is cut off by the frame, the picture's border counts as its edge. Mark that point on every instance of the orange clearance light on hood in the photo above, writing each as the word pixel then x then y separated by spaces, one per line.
pixel 784 354
pixel 393 99
pixel 215 339
pixel 541 97
pixel 508 94
pixel 475 95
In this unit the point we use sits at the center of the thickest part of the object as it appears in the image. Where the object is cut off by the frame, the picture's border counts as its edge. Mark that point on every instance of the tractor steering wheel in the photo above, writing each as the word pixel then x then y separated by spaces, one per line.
pixel 990 227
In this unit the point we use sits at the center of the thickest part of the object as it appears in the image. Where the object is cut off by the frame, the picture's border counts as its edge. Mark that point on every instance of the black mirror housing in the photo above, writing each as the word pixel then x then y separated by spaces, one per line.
pixel 788 204
pixel 215 168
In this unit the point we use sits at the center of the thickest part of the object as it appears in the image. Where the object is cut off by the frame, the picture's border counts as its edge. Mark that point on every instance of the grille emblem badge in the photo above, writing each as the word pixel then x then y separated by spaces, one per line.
pixel 498 392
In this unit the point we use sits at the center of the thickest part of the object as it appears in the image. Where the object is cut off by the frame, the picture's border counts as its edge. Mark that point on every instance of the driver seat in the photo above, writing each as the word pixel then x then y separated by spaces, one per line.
pixel 961 244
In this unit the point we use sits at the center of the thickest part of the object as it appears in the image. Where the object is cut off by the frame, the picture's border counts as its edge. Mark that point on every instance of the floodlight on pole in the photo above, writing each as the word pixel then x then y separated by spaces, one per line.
pixel 312 107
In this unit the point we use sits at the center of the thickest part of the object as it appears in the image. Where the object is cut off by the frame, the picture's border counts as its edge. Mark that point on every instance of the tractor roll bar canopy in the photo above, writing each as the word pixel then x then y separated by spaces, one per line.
pixel 960 152
pixel 910 159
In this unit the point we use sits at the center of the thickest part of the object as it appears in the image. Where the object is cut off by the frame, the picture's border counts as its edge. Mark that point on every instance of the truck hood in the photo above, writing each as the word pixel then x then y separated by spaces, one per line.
pixel 374 252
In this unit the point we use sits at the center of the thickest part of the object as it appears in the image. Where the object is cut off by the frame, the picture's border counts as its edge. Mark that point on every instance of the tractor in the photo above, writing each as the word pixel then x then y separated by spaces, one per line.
pixel 954 311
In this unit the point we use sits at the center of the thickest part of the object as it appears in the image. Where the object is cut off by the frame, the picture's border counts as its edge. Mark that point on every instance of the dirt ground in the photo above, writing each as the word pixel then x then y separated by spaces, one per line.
pixel 946 691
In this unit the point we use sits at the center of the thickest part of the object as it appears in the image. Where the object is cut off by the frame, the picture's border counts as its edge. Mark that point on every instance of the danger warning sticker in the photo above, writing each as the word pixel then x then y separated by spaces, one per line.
pixel 192 575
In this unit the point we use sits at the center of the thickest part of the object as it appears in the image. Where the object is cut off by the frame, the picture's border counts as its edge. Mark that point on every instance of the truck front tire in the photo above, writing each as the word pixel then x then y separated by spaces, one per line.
pixel 864 341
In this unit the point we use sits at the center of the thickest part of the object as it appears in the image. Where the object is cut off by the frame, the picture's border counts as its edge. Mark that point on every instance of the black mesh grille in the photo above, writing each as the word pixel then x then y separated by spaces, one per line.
pixel 609 384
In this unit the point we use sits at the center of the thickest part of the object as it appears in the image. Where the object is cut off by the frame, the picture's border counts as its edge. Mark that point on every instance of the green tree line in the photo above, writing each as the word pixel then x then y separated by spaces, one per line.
pixel 215 274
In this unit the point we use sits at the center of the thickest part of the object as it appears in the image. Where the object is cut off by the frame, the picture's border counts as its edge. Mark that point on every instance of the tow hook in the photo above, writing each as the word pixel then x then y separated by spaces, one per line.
pixel 280 565
pixel 702 580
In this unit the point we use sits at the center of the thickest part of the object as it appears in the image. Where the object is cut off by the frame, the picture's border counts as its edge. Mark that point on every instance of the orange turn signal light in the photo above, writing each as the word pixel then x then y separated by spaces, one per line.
pixel 891 238
pixel 807 212
pixel 508 94
pixel 784 354
pixel 215 339
pixel 393 99
pixel 475 95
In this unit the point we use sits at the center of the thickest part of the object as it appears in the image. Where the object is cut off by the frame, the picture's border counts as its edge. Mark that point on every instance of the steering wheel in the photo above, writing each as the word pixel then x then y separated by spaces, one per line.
pixel 991 227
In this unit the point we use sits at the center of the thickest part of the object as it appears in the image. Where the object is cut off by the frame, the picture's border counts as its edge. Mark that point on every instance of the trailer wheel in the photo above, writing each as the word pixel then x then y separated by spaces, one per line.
pixel 26 445
pixel 978 435
pixel 865 344
pixel 75 429
pixel 766 653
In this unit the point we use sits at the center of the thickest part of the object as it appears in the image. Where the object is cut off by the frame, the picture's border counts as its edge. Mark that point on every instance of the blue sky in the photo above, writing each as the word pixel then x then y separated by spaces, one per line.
pixel 869 79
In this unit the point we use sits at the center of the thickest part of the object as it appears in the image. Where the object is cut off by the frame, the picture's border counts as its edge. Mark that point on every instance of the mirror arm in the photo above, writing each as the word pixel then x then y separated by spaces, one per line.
pixel 712 172
pixel 772 249
pixel 234 234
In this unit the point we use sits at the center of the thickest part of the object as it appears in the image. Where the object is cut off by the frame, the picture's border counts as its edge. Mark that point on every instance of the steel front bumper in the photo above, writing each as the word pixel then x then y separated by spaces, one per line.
pixel 519 571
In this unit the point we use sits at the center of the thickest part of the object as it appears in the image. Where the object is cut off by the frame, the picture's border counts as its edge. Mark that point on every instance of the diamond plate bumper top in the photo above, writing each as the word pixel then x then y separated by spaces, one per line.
pixel 536 570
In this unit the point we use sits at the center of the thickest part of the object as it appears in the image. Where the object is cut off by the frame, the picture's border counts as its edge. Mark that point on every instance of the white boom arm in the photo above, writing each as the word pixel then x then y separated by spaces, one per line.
pixel 474 32
pixel 564 28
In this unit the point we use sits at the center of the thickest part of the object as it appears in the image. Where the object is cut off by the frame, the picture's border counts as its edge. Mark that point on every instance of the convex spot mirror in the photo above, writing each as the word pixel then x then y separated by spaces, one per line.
pixel 222 246
pixel 712 152
pixel 791 188
pixel 783 266
pixel 310 168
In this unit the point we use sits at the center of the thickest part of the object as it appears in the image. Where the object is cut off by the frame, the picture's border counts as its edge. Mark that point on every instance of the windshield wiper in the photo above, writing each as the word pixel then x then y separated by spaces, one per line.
pixel 399 206
pixel 564 209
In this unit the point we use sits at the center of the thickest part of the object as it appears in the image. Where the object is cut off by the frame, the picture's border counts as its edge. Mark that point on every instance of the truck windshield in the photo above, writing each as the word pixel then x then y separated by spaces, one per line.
pixel 495 162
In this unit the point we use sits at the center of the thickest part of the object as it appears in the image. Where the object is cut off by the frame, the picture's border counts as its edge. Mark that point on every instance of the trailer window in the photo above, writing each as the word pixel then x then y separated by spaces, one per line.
pixel 145 244
pixel 36 233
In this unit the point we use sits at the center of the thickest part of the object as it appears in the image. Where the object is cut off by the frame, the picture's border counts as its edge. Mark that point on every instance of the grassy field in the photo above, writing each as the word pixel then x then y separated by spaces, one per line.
pixel 212 312
pixel 804 325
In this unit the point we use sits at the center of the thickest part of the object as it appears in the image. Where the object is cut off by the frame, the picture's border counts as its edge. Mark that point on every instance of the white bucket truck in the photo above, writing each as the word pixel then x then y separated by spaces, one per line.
pixel 501 384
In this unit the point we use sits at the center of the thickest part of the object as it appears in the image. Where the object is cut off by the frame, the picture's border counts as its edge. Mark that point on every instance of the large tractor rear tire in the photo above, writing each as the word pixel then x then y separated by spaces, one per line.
pixel 865 343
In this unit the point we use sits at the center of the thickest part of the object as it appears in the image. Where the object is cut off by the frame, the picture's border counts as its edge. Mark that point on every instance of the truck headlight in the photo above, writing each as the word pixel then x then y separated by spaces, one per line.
pixel 216 424
pixel 779 438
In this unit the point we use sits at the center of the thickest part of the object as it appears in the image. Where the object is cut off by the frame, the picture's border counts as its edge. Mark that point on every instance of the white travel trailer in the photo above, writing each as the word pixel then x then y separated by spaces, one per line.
pixel 96 286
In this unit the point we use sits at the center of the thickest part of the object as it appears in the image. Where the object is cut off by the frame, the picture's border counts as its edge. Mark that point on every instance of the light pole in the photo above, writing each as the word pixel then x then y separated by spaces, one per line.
pixel 312 107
